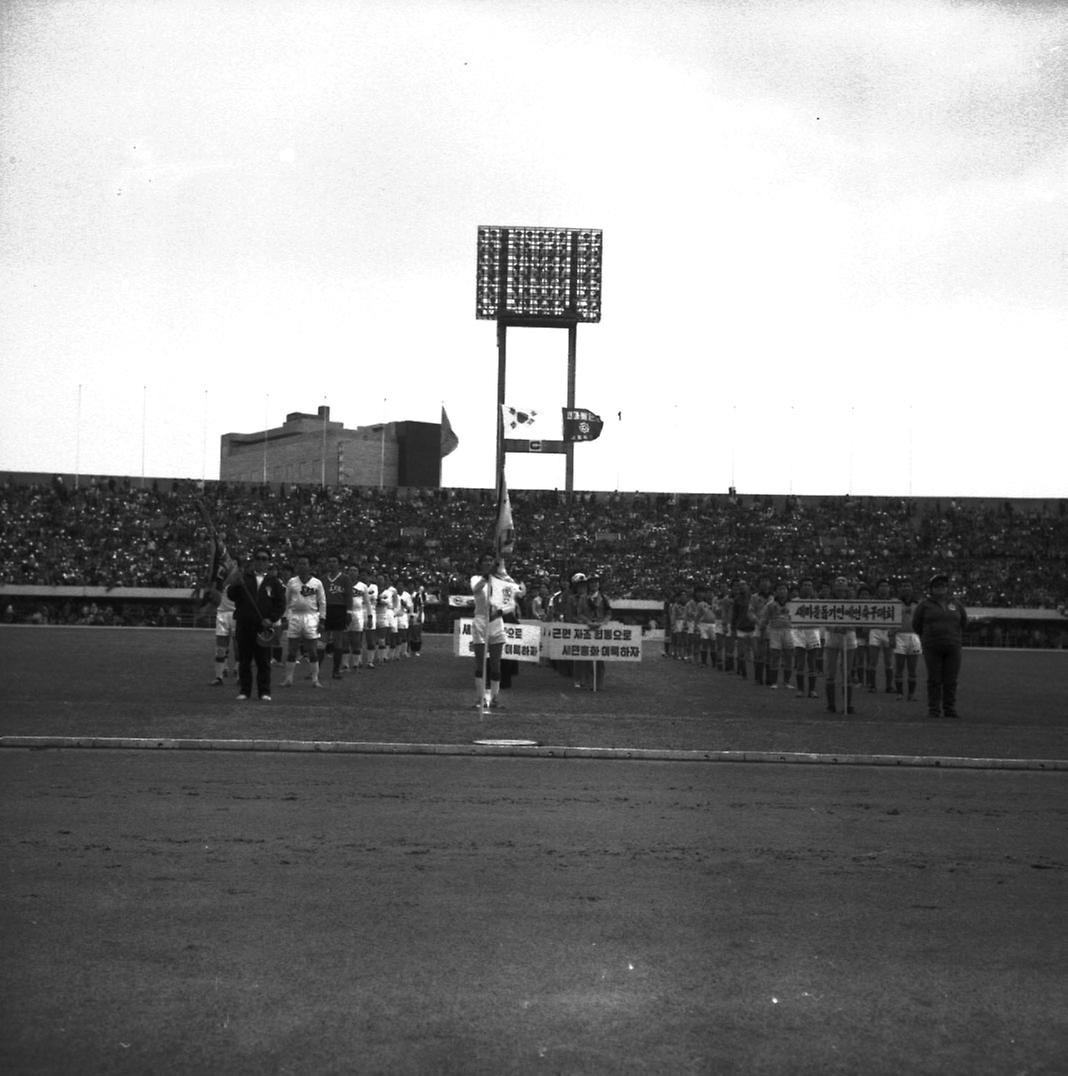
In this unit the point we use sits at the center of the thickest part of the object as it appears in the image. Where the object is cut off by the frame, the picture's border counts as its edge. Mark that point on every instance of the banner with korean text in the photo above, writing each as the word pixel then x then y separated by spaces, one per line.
pixel 580 642
pixel 522 642
pixel 850 613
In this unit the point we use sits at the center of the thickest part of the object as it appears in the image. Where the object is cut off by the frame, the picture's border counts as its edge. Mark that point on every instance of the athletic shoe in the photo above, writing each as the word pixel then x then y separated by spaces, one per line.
pixel 287 682
pixel 774 687
pixel 952 713
pixel 217 682
pixel 496 704
pixel 242 698
pixel 335 676
pixel 265 698
pixel 316 683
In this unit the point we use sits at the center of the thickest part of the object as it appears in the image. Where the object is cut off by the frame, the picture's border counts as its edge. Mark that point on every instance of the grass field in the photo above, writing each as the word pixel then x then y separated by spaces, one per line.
pixel 155 683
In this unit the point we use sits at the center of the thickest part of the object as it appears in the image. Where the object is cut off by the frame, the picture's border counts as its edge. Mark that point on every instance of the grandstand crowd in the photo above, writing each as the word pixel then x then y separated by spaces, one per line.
pixel 120 533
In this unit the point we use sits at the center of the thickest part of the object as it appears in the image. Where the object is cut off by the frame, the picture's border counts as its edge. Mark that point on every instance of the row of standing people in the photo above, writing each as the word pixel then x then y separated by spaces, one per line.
pixel 739 628
pixel 350 616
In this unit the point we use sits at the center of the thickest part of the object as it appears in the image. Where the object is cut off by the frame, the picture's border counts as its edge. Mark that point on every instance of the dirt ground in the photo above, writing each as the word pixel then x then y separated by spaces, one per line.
pixel 205 912
pixel 154 683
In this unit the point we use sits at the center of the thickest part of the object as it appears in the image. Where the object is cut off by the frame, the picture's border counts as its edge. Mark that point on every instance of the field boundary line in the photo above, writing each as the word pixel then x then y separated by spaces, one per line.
pixel 157 743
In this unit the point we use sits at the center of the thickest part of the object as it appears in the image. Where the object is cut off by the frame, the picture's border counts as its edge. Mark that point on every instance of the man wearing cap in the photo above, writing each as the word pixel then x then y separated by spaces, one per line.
pixel 939 621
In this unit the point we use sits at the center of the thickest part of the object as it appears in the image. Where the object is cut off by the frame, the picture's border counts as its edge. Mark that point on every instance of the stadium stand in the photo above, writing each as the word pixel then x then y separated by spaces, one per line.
pixel 109 533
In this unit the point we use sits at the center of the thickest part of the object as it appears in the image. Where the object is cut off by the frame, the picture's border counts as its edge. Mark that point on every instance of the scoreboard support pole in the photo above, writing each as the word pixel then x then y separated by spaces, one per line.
pixel 569 466
pixel 504 444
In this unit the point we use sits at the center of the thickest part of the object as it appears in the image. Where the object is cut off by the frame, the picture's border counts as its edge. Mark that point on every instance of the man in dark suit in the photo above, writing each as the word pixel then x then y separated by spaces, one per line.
pixel 259 599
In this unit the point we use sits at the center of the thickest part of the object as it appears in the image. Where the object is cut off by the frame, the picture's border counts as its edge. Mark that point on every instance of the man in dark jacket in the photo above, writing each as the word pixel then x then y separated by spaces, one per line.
pixel 939 621
pixel 259 601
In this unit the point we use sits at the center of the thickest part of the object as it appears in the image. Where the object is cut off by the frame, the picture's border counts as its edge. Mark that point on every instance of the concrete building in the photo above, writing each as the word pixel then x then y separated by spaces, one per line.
pixel 313 449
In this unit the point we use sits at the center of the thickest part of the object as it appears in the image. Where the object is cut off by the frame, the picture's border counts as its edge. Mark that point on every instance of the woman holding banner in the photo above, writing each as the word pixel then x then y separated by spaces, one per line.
pixel 593 610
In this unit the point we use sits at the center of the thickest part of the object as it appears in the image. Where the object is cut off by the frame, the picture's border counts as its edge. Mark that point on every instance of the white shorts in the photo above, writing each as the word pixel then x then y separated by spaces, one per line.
pixel 680 627
pixel 224 625
pixel 810 638
pixel 780 639
pixel 303 626
pixel 402 622
pixel 907 642
pixel 879 637
pixel 387 621
pixel 496 631
pixel 359 618
pixel 707 630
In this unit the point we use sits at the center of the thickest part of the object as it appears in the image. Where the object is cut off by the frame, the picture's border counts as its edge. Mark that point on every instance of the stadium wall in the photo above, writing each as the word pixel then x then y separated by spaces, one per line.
pixel 164 607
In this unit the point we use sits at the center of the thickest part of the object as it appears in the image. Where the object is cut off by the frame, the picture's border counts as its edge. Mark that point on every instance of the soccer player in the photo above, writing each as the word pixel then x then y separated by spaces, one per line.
pixel 417 620
pixel 906 645
pixel 306 614
pixel 841 648
pixel 678 624
pixel 358 619
pixel 724 631
pixel 225 658
pixel 405 606
pixel 879 643
pixel 386 616
pixel 370 597
pixel 690 634
pixel 706 626
pixel 807 646
pixel 338 588
pixel 860 664
pixel 743 626
pixel 775 625
pixel 760 643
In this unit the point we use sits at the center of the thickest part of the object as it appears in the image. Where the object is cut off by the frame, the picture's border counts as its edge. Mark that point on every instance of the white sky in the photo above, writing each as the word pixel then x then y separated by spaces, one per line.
pixel 835 253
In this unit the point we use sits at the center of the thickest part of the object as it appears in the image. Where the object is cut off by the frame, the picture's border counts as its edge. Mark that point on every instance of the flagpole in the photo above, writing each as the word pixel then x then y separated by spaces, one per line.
pixel 382 447
pixel 204 442
pixel 144 423
pixel 78 440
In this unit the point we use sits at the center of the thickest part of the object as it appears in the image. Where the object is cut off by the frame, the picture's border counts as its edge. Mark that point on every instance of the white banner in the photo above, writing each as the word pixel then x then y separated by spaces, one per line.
pixel 579 642
pixel 851 613
pixel 522 642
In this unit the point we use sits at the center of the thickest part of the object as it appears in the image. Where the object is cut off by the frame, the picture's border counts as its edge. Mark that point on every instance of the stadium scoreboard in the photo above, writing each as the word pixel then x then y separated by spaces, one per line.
pixel 539 276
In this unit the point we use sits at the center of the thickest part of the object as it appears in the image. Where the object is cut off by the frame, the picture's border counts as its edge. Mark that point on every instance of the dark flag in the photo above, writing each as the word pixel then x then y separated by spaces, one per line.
pixel 581 425
pixel 449 440
pixel 222 564
pixel 504 531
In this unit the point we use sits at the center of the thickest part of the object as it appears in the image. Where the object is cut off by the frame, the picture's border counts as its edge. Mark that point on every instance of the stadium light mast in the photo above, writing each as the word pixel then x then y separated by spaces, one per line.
pixel 538 278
